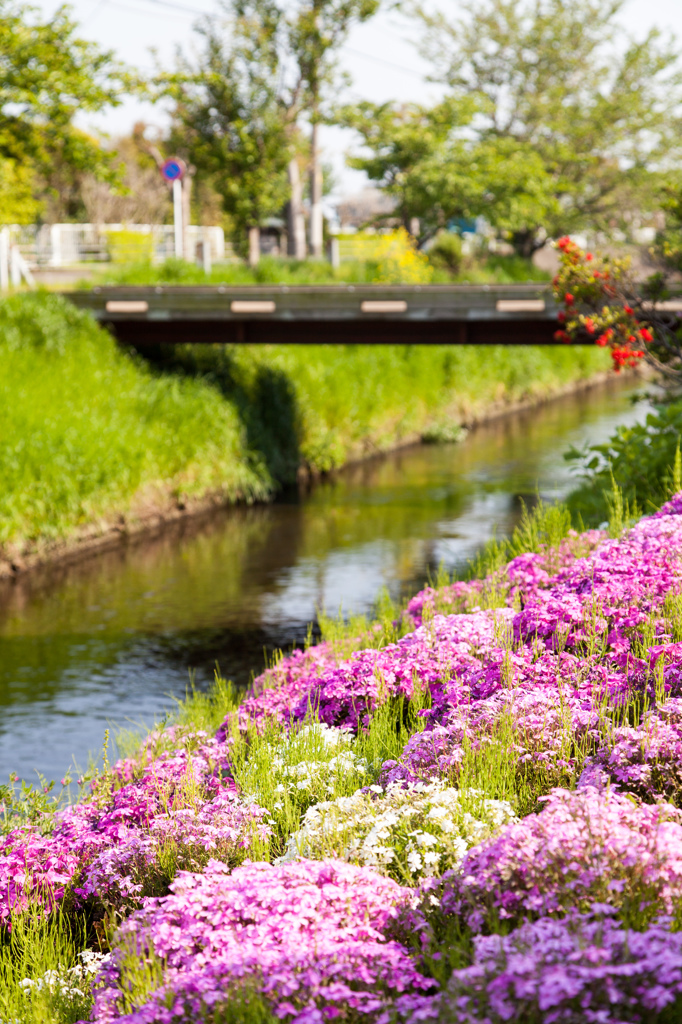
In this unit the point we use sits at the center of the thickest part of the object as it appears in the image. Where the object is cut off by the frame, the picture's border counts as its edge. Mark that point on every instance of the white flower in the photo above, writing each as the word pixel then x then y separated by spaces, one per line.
pixel 386 828
pixel 414 860
pixel 425 839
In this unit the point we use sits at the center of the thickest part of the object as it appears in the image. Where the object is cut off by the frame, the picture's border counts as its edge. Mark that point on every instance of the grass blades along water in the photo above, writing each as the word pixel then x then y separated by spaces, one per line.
pixel 472 811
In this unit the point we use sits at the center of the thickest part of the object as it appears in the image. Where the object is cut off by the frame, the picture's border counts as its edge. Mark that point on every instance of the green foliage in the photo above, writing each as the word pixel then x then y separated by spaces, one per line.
pixel 29 803
pixel 491 269
pixel 446 251
pixel 321 405
pixel 412 153
pixel 47 76
pixel 238 108
pixel 228 114
pixel 35 945
pixel 563 99
pixel 129 246
pixel 86 429
pixel 430 161
pixel 507 270
pixel 644 461
pixel 268 270
pixel 18 204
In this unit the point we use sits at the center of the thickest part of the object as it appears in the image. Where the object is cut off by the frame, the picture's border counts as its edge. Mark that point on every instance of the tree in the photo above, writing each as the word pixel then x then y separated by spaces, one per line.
pixel 430 162
pixel 315 32
pixel 264 68
pixel 229 114
pixel 557 78
pixel 47 75
pixel 18 204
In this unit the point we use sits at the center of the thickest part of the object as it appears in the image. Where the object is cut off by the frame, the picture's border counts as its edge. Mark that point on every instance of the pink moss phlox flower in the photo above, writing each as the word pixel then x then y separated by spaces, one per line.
pixel 309 935
pixel 645 759
pixel 577 970
pixel 128 825
pixel 584 846
pixel 519 579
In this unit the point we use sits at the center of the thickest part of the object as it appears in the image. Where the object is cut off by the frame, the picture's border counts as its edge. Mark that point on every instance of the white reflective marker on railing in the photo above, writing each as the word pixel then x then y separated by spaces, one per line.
pixel 127 306
pixel 253 306
pixel 520 305
pixel 384 306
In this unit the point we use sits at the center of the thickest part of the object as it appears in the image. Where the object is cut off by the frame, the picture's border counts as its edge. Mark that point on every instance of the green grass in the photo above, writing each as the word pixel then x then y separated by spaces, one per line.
pixel 86 430
pixel 89 432
pixel 37 957
pixel 322 405
pixel 274 270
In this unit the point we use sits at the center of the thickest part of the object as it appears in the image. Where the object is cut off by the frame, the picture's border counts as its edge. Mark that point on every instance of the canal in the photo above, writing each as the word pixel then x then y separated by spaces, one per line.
pixel 110 641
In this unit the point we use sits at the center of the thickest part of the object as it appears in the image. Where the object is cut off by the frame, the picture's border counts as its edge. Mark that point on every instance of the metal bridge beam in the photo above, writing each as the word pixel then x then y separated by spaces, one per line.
pixel 335 314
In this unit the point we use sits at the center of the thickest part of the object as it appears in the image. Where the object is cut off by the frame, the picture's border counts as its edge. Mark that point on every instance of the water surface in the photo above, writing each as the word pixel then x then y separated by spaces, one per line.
pixel 108 641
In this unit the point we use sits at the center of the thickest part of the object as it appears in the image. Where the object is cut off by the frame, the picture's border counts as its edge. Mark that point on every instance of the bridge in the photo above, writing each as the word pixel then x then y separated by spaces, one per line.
pixel 458 314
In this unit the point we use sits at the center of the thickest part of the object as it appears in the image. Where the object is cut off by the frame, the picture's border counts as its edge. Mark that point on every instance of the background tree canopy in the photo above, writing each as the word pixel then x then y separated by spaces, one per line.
pixel 436 169
pixel 560 80
pixel 47 74
pixel 238 110
pixel 552 120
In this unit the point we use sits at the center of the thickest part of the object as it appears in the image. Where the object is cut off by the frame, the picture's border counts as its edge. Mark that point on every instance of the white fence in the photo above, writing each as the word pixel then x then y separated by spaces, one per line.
pixel 64 245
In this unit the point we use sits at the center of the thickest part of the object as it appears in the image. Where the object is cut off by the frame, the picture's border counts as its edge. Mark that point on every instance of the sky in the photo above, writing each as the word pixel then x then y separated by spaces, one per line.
pixel 380 56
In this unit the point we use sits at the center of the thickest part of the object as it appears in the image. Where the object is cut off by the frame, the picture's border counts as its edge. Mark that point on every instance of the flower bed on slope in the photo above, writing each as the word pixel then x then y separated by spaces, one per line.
pixel 477 822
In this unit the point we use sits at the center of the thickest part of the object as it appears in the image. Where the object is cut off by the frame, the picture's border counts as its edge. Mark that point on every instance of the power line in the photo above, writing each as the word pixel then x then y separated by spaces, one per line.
pixel 386 63
pixel 161 3
pixel 177 7
pixel 191 10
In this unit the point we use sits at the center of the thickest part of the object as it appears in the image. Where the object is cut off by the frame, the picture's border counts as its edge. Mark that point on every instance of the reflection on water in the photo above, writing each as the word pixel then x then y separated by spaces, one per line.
pixel 110 640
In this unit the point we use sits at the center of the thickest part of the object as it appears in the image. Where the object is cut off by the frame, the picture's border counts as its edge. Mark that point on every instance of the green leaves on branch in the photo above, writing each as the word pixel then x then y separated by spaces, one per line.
pixel 432 163
pixel 229 111
pixel 18 204
pixel 47 74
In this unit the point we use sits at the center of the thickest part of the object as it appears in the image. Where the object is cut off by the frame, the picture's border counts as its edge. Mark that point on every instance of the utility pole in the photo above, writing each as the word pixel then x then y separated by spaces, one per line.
pixel 177 219
pixel 316 233
pixel 295 220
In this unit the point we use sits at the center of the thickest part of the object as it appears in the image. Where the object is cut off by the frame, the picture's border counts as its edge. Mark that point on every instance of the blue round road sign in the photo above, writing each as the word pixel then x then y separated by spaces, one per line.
pixel 173 169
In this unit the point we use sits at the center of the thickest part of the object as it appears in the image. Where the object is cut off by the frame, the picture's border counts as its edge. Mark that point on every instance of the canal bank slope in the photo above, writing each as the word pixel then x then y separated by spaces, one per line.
pixel 98 444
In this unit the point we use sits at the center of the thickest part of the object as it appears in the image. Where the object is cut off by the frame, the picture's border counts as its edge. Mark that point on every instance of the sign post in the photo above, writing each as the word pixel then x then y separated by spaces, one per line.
pixel 173 170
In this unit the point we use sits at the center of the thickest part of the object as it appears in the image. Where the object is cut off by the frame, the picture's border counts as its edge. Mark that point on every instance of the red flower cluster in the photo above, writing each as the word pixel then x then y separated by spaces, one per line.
pixel 623 355
pixel 587 296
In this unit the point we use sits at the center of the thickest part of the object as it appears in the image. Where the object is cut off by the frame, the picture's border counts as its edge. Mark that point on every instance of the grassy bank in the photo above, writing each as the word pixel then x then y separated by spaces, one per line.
pixel 87 430
pixel 319 406
pixel 90 432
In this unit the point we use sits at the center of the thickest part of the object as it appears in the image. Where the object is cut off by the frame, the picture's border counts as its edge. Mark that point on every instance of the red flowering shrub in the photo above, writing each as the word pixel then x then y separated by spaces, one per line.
pixel 591 290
